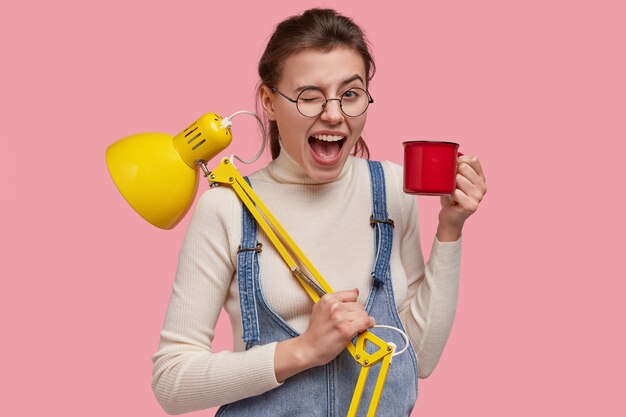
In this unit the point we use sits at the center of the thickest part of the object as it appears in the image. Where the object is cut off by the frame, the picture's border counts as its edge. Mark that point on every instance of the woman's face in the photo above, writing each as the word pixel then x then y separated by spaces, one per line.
pixel 320 145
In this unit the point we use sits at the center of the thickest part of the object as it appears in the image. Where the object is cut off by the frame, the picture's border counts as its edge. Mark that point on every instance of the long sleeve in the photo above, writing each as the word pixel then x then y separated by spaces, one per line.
pixel 187 375
pixel 433 304
pixel 433 287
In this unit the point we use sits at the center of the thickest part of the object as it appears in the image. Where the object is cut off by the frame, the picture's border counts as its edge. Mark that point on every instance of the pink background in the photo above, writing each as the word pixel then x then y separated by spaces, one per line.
pixel 536 89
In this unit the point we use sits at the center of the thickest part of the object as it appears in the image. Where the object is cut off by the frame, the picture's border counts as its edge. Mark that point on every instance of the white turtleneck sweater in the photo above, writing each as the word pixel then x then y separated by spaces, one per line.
pixel 330 223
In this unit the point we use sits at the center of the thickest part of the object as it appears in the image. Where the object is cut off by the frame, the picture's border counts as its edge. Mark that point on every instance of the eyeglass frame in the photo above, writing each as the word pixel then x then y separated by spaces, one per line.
pixel 370 100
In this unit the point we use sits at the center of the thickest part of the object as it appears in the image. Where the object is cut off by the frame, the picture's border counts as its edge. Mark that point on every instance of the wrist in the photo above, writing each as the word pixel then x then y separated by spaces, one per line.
pixel 291 357
pixel 449 233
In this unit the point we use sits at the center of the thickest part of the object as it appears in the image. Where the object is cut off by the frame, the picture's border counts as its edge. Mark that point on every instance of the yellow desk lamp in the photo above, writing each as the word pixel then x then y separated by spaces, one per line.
pixel 156 174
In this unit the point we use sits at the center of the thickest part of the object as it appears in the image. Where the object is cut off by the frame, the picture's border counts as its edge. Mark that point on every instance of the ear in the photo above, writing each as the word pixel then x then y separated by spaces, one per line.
pixel 267 101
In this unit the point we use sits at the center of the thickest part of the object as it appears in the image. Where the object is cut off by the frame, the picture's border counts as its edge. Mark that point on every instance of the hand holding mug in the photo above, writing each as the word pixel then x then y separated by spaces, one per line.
pixel 470 189
pixel 437 168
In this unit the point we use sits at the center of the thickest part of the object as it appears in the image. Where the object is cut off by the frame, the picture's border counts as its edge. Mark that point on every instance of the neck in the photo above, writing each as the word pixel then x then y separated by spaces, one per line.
pixel 285 169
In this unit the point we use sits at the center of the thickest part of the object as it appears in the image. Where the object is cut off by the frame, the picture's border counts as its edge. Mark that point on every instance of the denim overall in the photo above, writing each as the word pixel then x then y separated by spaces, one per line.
pixel 327 390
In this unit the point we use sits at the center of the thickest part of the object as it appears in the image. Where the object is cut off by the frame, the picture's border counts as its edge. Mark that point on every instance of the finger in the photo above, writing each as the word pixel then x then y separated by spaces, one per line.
pixel 472 161
pixel 469 189
pixel 337 308
pixel 351 306
pixel 362 324
pixel 343 296
pixel 348 316
pixel 468 172
pixel 467 204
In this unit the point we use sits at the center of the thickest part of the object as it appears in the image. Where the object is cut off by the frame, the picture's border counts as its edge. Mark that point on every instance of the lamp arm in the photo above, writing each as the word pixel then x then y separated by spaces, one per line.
pixel 310 286
pixel 226 173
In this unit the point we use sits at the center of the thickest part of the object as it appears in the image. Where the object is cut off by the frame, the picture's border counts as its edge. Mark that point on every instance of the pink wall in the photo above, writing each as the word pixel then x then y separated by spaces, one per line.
pixel 536 89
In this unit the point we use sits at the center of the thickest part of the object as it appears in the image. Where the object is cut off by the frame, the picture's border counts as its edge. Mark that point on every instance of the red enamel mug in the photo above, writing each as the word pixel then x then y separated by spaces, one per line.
pixel 430 167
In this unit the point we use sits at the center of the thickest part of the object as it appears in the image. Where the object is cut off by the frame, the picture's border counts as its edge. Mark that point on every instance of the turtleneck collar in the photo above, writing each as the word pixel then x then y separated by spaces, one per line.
pixel 285 169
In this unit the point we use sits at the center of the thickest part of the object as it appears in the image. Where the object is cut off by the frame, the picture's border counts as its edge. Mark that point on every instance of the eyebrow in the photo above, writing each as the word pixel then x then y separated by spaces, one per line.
pixel 345 82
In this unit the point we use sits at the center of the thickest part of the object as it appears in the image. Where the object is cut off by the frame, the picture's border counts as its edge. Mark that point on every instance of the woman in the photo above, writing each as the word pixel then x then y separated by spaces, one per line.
pixel 289 356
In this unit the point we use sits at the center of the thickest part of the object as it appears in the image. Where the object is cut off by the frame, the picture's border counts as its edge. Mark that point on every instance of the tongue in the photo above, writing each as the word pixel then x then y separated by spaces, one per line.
pixel 325 150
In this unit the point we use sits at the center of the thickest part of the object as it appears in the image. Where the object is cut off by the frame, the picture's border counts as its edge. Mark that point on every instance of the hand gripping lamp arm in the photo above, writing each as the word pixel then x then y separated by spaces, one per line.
pixel 156 174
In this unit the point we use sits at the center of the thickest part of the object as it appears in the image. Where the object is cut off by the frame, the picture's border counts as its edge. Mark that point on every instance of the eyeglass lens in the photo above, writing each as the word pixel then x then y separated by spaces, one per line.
pixel 312 101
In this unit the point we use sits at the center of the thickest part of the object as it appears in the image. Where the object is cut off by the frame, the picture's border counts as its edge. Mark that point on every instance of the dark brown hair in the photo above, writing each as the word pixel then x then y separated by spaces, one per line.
pixel 321 29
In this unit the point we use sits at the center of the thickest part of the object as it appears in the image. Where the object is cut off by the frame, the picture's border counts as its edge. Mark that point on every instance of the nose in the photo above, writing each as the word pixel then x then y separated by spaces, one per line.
pixel 332 112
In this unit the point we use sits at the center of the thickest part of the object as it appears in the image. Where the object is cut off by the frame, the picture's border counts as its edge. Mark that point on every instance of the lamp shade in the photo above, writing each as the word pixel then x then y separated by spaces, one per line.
pixel 156 172
pixel 152 177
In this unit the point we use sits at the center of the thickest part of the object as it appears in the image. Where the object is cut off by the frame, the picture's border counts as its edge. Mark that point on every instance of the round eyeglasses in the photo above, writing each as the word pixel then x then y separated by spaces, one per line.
pixel 311 102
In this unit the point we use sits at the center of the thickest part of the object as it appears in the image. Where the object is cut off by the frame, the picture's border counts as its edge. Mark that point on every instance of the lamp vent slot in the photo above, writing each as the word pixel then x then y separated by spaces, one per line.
pixel 194 138
pixel 192 125
pixel 191 131
pixel 198 144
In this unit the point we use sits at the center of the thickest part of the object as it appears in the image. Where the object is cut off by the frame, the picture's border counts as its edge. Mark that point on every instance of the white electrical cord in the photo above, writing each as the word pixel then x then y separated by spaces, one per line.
pixel 226 122
pixel 406 338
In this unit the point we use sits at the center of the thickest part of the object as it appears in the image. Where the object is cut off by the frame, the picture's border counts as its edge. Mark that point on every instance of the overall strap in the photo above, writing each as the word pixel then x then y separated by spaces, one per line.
pixel 247 267
pixel 382 224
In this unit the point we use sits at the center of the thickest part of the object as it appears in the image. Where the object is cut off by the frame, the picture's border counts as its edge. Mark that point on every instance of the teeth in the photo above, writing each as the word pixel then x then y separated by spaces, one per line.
pixel 328 138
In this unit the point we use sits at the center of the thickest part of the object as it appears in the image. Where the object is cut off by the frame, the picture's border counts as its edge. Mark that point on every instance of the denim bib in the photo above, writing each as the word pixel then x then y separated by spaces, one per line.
pixel 327 390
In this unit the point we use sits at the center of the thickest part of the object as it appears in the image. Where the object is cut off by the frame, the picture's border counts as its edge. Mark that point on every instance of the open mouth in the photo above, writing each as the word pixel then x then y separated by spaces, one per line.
pixel 327 148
